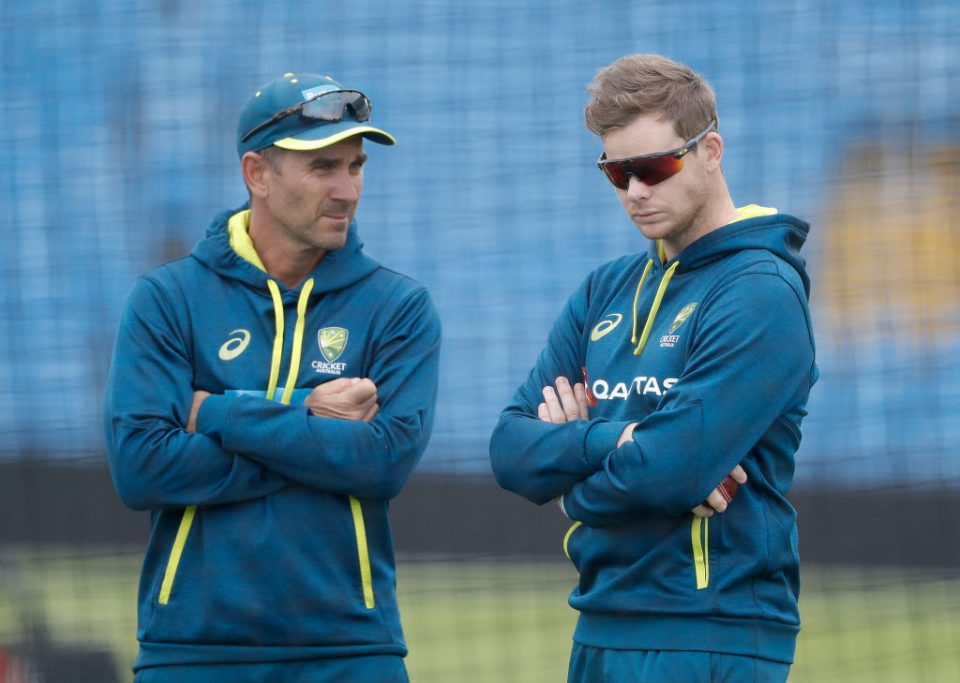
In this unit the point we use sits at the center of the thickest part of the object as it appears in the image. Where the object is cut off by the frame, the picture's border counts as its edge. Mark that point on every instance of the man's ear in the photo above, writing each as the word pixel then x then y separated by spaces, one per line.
pixel 712 145
pixel 254 167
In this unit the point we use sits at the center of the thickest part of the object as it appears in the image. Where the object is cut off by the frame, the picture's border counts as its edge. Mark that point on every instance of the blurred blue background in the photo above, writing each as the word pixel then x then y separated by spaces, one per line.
pixel 117 130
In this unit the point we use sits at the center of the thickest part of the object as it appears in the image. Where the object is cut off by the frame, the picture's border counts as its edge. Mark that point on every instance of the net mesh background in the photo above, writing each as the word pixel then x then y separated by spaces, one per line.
pixel 117 126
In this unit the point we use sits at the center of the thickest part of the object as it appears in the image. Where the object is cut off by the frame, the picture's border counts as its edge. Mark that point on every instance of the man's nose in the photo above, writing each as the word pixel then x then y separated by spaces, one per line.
pixel 346 188
pixel 636 188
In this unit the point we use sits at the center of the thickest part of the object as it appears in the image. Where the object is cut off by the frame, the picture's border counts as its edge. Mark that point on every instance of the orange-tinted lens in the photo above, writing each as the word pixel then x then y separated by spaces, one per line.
pixel 649 171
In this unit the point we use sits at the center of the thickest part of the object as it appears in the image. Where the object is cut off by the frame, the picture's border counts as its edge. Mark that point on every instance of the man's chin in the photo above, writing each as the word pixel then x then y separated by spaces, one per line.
pixel 653 231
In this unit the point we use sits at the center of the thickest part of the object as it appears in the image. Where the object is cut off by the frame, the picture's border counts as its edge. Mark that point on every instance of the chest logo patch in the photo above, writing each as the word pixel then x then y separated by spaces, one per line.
pixel 682 316
pixel 332 340
pixel 237 344
pixel 605 326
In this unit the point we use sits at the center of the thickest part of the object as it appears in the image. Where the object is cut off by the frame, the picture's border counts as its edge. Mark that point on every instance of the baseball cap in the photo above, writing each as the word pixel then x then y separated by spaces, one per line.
pixel 299 131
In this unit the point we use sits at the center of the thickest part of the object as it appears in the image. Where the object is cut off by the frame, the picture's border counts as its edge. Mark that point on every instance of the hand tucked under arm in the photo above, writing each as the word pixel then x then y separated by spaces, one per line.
pixel 721 496
pixel 198 398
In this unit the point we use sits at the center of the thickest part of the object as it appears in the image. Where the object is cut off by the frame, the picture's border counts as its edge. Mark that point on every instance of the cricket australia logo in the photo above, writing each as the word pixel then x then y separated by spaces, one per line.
pixel 670 339
pixel 332 342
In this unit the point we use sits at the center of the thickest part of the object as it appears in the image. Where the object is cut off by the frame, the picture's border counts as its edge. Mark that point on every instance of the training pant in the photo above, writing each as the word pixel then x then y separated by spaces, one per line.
pixel 600 665
pixel 370 669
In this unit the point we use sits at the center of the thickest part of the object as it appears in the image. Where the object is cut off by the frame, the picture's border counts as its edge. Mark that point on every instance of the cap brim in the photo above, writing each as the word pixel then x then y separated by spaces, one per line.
pixel 321 136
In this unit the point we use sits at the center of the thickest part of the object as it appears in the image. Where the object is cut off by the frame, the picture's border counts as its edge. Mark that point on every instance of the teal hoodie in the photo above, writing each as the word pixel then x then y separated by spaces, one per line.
pixel 269 540
pixel 712 354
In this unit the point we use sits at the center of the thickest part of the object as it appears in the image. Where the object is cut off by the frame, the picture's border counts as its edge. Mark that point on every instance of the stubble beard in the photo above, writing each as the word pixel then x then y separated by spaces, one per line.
pixel 689 225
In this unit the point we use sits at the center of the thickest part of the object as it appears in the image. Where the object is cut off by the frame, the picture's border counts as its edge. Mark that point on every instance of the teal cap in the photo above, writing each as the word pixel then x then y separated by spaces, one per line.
pixel 293 131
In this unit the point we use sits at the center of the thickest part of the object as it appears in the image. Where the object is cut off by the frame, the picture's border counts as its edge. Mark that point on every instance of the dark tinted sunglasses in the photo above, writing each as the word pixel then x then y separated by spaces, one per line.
pixel 649 169
pixel 327 107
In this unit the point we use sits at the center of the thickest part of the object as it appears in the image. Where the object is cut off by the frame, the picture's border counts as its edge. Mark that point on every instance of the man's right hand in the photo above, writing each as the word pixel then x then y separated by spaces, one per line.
pixel 345 398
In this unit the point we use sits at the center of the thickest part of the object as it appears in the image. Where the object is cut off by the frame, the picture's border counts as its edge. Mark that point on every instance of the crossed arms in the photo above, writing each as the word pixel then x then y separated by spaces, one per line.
pixel 565 404
pixel 748 362
pixel 359 438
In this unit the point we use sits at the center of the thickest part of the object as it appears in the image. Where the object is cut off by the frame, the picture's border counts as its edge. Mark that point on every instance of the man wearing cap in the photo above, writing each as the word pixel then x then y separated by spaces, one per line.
pixel 269 394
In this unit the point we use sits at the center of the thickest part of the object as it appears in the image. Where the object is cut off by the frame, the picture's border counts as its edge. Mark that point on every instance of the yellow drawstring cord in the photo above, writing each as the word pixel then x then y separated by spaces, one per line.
pixel 363 552
pixel 297 342
pixel 636 298
pixel 653 308
pixel 277 339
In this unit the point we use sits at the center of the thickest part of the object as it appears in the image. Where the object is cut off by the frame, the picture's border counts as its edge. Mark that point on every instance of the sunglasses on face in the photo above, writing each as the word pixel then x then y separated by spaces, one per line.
pixel 327 107
pixel 649 169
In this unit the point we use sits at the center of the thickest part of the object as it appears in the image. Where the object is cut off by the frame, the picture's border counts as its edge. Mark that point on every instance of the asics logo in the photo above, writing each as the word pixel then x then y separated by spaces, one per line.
pixel 605 326
pixel 236 345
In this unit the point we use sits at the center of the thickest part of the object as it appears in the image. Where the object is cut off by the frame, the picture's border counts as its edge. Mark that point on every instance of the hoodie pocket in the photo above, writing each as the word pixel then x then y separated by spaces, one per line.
pixel 363 553
pixel 700 540
pixel 170 573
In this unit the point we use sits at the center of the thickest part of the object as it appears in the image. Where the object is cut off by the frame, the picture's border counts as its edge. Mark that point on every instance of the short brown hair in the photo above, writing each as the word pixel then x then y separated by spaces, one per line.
pixel 643 84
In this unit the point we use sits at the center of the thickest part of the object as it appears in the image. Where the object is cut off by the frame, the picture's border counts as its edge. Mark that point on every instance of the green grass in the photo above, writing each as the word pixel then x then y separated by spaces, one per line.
pixel 489 620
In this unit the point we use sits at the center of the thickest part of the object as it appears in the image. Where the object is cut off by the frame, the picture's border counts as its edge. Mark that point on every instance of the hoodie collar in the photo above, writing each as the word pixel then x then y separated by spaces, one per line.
pixel 229 251
pixel 756 227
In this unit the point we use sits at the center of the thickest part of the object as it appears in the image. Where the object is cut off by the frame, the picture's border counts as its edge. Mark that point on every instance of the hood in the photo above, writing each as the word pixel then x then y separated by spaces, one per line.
pixel 337 270
pixel 756 227
pixel 778 233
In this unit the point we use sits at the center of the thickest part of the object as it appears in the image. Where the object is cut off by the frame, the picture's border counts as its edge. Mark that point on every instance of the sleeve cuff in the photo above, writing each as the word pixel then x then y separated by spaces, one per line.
pixel 213 414
pixel 601 439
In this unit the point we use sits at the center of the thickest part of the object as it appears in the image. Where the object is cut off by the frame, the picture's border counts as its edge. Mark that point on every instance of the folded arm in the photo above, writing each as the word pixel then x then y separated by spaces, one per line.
pixel 154 461
pixel 537 459
pixel 363 459
pixel 751 361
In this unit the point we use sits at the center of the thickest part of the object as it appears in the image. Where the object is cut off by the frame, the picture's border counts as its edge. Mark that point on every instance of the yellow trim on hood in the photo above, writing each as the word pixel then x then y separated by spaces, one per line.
pixel 238 228
pixel 752 211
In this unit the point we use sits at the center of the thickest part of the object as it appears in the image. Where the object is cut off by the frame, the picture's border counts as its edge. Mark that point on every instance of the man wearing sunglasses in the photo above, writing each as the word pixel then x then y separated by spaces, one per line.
pixel 268 396
pixel 664 412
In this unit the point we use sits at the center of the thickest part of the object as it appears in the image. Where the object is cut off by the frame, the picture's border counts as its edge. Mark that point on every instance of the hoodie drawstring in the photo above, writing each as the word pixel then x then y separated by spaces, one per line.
pixel 297 341
pixel 653 308
pixel 356 509
pixel 278 341
pixel 636 298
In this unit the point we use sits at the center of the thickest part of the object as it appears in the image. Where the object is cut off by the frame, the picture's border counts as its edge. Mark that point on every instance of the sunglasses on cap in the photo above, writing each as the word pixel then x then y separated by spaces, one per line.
pixel 327 107
pixel 649 169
